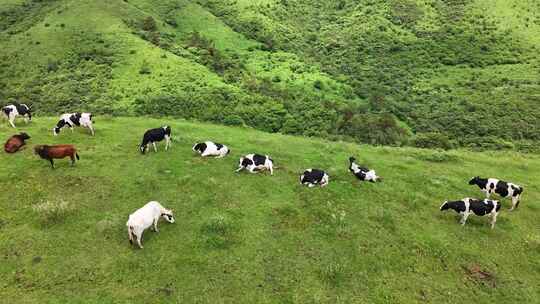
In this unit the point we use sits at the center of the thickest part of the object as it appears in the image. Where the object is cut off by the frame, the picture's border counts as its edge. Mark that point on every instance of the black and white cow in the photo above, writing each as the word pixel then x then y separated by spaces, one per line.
pixel 209 148
pixel 362 173
pixel 468 206
pixel 502 188
pixel 74 120
pixel 13 110
pixel 154 135
pixel 255 163
pixel 313 177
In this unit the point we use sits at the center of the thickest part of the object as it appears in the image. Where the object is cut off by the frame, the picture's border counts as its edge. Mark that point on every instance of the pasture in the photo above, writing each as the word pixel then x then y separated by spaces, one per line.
pixel 245 238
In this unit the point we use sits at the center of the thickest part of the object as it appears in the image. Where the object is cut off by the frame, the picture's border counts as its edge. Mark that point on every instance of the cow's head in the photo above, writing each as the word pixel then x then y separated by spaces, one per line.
pixel 197 148
pixel 167 215
pixel 56 130
pixel 352 159
pixel 474 180
pixel 24 136
pixel 142 148
pixel 40 150
pixel 444 206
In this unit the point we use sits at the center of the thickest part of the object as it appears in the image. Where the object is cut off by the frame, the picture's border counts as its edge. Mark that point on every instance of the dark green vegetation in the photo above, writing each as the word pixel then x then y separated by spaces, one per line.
pixel 427 73
pixel 243 238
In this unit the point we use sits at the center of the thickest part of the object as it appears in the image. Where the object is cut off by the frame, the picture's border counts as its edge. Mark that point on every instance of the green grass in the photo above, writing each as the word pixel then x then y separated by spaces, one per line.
pixel 243 238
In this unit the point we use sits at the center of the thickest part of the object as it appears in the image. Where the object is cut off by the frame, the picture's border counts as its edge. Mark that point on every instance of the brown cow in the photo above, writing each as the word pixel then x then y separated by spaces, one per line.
pixel 56 151
pixel 15 142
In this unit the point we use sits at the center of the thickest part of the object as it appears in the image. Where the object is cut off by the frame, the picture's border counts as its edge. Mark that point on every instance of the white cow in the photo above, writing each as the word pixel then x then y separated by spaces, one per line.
pixel 145 217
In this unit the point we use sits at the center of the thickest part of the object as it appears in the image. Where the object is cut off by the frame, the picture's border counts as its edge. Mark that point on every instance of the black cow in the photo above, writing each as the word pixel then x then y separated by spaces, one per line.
pixel 502 188
pixel 312 177
pixel 362 173
pixel 13 110
pixel 468 206
pixel 255 163
pixel 154 135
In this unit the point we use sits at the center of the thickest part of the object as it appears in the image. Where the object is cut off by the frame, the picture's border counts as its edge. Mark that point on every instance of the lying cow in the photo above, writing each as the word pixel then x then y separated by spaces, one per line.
pixel 468 206
pixel 74 120
pixel 57 151
pixel 15 142
pixel 362 173
pixel 313 177
pixel 502 188
pixel 13 110
pixel 209 148
pixel 146 217
pixel 155 135
pixel 255 163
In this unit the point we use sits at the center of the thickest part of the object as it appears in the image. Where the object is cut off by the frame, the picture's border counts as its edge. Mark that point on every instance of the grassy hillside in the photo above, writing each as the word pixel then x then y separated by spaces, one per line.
pixel 243 238
pixel 402 72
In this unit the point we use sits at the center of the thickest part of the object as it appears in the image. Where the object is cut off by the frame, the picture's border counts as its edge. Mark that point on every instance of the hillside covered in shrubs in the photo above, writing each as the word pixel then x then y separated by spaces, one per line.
pixel 427 73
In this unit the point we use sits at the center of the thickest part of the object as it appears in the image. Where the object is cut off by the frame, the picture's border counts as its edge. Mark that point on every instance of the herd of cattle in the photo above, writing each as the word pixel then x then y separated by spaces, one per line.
pixel 150 214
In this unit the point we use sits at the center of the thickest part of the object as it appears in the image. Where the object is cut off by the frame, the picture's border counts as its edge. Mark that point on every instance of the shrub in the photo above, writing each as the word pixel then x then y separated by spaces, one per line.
pixel 432 140
pixel 149 24
pixel 145 68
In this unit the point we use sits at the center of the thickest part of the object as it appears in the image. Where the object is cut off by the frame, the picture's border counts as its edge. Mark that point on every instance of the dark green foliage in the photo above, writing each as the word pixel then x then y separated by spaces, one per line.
pixel 431 140
pixel 387 51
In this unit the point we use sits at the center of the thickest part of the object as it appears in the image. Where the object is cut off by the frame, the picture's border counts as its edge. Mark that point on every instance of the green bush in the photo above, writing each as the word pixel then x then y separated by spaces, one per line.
pixel 432 140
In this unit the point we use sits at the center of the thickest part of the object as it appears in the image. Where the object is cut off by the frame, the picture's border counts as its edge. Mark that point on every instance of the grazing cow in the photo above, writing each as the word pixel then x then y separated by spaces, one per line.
pixel 145 217
pixel 313 177
pixel 468 206
pixel 74 120
pixel 154 135
pixel 255 163
pixel 502 188
pixel 56 151
pixel 362 173
pixel 209 148
pixel 13 110
pixel 15 142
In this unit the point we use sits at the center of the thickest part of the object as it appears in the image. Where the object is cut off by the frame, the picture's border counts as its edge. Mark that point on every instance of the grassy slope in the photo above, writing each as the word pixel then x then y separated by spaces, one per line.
pixel 242 238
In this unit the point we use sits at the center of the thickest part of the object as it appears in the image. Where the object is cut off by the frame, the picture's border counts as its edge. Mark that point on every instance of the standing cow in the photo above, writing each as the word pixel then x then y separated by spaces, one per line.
pixel 57 151
pixel 502 188
pixel 74 120
pixel 155 135
pixel 13 110
pixel 468 206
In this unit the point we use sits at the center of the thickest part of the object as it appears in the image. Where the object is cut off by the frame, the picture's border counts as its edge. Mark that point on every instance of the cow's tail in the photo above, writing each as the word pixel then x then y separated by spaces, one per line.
pixel 77 155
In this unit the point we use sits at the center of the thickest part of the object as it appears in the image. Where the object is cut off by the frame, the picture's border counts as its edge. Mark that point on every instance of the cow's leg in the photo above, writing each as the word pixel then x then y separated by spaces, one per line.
pixel 91 129
pixel 494 219
pixel 139 240
pixel 155 224
pixel 240 168
pixel 271 168
pixel 464 218
pixel 72 156
pixel 155 148
pixel 130 235
pixel 168 142
pixel 12 120
pixel 310 185
pixel 52 163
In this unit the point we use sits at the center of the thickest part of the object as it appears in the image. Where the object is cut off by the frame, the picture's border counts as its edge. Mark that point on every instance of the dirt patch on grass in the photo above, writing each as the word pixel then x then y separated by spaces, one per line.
pixel 478 275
